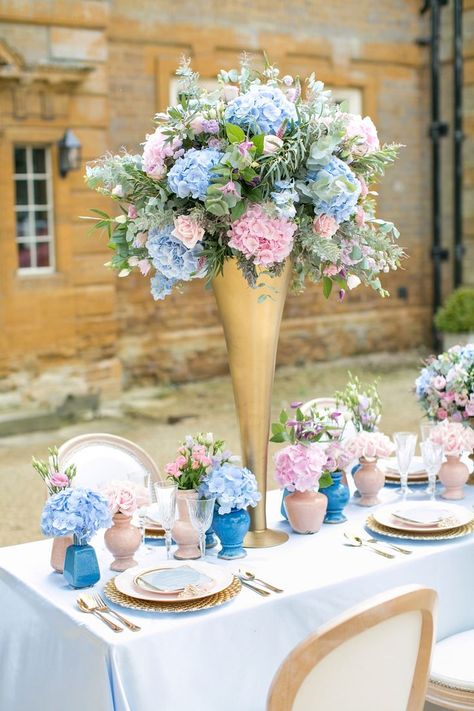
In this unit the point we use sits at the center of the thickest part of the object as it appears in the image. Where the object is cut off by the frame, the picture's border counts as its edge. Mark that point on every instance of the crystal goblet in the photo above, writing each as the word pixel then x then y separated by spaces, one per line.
pixel 166 509
pixel 432 454
pixel 405 443
pixel 200 515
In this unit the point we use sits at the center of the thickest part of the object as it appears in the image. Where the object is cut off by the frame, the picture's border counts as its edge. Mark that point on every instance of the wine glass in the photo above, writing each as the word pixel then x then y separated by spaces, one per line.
pixel 432 454
pixel 200 515
pixel 405 443
pixel 166 509
pixel 142 479
pixel 425 429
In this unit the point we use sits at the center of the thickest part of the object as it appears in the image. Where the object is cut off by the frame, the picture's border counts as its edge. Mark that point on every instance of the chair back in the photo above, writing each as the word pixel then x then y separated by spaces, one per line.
pixel 376 656
pixel 101 457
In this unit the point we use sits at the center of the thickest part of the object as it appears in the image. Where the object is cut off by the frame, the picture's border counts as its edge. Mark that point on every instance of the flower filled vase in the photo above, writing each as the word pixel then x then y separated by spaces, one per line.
pixel 231 528
pixel 369 479
pixel 81 569
pixel 306 510
pixel 453 475
pixel 184 534
pixel 123 540
pixel 58 552
pixel 337 495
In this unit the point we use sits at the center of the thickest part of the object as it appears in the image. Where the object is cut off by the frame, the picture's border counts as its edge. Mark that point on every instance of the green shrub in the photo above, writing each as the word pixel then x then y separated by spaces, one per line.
pixel 457 315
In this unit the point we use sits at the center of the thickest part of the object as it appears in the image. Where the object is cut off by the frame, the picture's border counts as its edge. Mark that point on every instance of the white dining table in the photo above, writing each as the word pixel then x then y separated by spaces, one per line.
pixel 55 658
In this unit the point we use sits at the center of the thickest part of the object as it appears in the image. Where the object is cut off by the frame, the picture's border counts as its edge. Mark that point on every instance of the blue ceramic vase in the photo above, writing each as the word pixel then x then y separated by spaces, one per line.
pixel 81 569
pixel 285 493
pixel 231 529
pixel 211 538
pixel 337 495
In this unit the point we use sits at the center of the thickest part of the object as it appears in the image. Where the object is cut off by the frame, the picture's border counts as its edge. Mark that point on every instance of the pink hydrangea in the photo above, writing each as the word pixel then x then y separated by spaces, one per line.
pixel 455 437
pixel 364 129
pixel 157 148
pixel 299 467
pixel 264 239
pixel 369 445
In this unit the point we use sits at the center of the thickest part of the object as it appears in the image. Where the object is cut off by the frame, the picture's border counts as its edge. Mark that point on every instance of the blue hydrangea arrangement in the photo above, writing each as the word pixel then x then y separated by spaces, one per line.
pixel 191 174
pixel 81 512
pixel 232 486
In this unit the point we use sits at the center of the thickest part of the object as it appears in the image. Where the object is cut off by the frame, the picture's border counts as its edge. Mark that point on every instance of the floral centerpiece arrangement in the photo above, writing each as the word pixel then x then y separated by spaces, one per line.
pixel 455 438
pixel 197 456
pixel 80 512
pixel 55 479
pixel 259 170
pixel 362 402
pixel 312 426
pixel 123 539
pixel 445 386
pixel 367 447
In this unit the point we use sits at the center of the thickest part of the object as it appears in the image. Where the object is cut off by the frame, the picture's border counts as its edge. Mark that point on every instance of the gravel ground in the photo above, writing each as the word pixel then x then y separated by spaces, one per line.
pixel 157 419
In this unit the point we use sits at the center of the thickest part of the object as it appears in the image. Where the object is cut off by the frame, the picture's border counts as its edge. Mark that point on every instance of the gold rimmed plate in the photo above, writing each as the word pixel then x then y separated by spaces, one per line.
pixel 177 606
pixel 440 535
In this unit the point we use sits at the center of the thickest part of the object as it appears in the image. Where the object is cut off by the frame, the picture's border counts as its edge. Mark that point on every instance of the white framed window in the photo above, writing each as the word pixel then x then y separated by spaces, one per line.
pixel 352 96
pixel 34 209
pixel 209 84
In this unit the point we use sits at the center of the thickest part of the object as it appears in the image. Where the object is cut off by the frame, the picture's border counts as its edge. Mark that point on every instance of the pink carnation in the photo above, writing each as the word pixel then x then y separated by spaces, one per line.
pixel 325 226
pixel 455 437
pixel 369 445
pixel 299 467
pixel 157 148
pixel 364 129
pixel 187 230
pixel 264 239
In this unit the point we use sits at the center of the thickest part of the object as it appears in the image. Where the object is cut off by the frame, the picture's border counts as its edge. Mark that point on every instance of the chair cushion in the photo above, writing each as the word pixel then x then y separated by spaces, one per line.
pixel 453 661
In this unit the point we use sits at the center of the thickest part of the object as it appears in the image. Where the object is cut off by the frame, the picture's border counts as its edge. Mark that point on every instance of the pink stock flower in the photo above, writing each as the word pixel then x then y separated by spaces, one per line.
pixel 157 148
pixel 271 144
pixel 299 467
pixel 59 479
pixel 264 239
pixel 325 226
pixel 369 445
pixel 455 437
pixel 364 129
pixel 187 230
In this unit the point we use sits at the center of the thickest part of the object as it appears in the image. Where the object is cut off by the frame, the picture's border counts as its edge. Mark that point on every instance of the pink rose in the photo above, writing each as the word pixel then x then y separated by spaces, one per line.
pixel 197 124
pixel 461 399
pixel 325 226
pixel 438 382
pixel 441 414
pixel 59 479
pixel 271 144
pixel 365 131
pixel 187 230
pixel 229 92
pixel 369 445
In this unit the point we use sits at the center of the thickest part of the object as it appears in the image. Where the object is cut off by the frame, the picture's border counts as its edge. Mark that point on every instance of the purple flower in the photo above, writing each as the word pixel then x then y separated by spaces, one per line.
pixel 296 405
pixel 211 126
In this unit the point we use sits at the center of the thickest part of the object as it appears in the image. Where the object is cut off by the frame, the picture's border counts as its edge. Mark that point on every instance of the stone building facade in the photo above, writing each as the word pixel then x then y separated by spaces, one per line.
pixel 103 68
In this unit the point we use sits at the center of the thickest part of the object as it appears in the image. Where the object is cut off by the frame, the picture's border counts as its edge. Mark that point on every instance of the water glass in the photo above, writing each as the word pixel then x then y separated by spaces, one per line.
pixel 166 509
pixel 432 454
pixel 405 443
pixel 200 515
pixel 425 429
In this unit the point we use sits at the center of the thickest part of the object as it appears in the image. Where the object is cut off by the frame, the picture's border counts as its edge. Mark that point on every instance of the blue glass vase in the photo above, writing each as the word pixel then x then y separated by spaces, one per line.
pixel 211 538
pixel 81 569
pixel 337 495
pixel 231 529
pixel 283 507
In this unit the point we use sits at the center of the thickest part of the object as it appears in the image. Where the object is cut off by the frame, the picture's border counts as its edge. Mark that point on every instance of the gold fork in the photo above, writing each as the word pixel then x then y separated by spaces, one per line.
pixel 103 607
pixel 88 605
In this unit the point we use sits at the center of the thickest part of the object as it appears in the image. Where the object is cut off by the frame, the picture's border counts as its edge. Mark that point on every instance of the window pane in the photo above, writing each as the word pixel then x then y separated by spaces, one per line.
pixel 40 192
pixel 24 256
pixel 39 160
pixel 20 160
pixel 22 228
pixel 42 254
pixel 21 192
pixel 41 223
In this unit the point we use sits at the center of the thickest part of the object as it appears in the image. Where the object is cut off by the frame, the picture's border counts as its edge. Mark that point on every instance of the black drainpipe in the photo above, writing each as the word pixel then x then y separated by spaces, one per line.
pixel 458 141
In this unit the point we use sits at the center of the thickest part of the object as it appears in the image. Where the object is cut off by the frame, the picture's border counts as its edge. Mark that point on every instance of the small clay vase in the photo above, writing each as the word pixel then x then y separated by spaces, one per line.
pixel 58 552
pixel 122 540
pixel 306 510
pixel 369 479
pixel 184 534
pixel 453 474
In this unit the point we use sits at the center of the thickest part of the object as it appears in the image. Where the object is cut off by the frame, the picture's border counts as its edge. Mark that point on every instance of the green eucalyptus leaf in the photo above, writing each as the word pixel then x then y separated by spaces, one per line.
pixel 327 286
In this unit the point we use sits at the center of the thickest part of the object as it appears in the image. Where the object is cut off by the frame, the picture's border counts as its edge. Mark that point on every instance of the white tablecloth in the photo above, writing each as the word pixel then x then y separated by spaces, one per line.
pixel 53 657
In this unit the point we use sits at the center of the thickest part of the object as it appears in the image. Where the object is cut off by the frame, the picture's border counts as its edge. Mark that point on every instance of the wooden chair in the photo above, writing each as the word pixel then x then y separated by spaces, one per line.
pixel 375 657
pixel 451 683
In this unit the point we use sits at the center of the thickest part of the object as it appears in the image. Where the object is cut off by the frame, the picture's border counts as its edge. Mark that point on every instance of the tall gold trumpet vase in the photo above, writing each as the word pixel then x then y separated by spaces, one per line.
pixel 251 332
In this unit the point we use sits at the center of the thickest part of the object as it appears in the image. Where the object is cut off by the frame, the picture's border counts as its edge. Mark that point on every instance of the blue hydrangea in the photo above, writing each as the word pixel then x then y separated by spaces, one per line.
pixel 191 174
pixel 232 486
pixel 333 189
pixel 172 259
pixel 79 511
pixel 284 197
pixel 263 109
pixel 161 286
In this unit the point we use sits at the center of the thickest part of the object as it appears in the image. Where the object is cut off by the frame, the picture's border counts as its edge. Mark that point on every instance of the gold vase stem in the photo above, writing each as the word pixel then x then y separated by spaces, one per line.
pixel 251 332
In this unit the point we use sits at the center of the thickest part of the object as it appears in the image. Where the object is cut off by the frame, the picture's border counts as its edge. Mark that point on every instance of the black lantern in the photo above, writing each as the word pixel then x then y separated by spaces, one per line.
pixel 69 153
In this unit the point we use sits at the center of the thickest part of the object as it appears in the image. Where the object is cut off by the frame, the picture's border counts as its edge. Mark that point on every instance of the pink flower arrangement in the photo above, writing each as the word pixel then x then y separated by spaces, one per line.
pixel 369 445
pixel 325 226
pixel 196 457
pixel 187 230
pixel 157 148
pixel 365 131
pixel 337 457
pixel 125 497
pixel 455 437
pixel 264 239
pixel 299 467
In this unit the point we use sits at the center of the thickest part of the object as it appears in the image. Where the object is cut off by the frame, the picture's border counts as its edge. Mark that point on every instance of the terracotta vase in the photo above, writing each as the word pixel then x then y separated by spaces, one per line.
pixel 122 540
pixel 184 534
pixel 58 552
pixel 369 479
pixel 453 474
pixel 306 510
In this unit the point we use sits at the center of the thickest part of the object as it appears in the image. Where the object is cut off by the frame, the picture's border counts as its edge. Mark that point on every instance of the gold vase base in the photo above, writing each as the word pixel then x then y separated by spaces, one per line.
pixel 265 538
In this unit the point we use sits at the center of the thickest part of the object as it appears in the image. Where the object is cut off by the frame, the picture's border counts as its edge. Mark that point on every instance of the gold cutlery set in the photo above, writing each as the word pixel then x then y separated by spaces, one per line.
pixel 95 605
pixel 373 543
pixel 259 586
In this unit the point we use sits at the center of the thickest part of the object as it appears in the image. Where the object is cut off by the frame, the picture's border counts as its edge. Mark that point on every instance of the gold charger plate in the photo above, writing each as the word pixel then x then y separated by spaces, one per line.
pixel 112 594
pixel 154 533
pixel 441 535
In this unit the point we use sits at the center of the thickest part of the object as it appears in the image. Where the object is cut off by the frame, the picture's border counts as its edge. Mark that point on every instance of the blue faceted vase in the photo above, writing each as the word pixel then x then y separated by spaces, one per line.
pixel 81 569
pixel 284 494
pixel 337 495
pixel 231 529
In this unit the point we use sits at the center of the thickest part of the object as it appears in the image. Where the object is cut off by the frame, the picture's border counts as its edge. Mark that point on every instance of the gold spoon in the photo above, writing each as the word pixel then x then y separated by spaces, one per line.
pixel 84 607
pixel 358 542
pixel 246 575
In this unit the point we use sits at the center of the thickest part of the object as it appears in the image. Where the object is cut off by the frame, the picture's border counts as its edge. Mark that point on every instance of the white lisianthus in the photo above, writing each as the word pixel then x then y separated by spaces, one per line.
pixel 353 281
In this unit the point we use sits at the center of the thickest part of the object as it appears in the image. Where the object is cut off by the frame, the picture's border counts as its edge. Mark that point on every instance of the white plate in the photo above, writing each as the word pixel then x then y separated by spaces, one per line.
pixel 390 465
pixel 460 516
pixel 422 515
pixel 124 582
